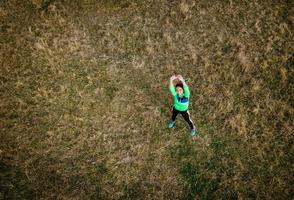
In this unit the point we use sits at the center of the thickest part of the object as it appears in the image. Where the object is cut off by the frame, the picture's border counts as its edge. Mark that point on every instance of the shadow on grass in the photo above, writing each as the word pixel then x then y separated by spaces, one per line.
pixel 202 180
pixel 14 184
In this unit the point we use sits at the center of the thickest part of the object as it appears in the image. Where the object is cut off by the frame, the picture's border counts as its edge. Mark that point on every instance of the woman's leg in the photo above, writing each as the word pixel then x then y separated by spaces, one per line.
pixel 174 114
pixel 172 121
pixel 187 118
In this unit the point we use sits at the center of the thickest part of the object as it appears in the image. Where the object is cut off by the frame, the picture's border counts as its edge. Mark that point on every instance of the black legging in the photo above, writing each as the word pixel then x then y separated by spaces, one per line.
pixel 186 116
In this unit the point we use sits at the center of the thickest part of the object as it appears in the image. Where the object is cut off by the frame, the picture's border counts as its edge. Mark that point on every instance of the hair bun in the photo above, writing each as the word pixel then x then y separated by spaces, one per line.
pixel 180 84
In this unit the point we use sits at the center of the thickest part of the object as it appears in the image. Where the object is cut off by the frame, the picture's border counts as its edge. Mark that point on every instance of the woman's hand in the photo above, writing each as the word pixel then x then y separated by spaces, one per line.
pixel 180 78
pixel 173 77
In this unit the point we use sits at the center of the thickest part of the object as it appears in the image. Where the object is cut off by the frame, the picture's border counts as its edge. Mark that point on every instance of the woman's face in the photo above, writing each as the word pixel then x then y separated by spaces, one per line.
pixel 179 90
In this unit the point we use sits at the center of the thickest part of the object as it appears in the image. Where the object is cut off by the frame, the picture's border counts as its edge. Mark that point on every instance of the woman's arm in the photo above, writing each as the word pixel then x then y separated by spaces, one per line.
pixel 185 86
pixel 171 85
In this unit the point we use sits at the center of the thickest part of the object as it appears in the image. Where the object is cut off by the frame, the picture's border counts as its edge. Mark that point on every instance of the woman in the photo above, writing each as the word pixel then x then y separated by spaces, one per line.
pixel 181 96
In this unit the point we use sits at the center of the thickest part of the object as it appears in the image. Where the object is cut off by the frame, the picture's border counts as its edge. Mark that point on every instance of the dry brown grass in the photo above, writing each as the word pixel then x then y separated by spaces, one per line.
pixel 84 99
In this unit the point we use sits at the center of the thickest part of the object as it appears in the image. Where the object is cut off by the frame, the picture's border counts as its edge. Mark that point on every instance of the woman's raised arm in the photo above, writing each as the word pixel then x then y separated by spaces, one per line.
pixel 171 85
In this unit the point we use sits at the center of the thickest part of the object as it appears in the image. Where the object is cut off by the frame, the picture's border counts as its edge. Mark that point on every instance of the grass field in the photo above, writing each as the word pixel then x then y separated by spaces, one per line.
pixel 85 102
